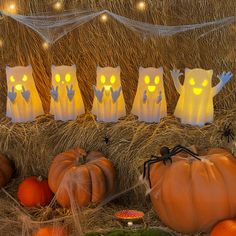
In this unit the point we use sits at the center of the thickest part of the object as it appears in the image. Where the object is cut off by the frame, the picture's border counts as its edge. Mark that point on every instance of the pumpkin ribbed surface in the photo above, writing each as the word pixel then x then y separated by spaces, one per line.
pixel 34 191
pixel 225 227
pixel 84 183
pixel 191 195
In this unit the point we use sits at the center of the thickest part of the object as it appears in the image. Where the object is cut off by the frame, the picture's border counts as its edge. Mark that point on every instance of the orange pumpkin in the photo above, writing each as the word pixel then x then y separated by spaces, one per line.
pixel 191 195
pixel 6 171
pixel 225 227
pixel 34 191
pixel 84 177
pixel 51 231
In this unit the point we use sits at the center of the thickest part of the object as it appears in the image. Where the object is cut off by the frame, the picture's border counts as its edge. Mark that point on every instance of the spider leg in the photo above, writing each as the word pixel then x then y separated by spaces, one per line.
pixel 187 151
pixel 148 172
pixel 146 163
pixel 176 148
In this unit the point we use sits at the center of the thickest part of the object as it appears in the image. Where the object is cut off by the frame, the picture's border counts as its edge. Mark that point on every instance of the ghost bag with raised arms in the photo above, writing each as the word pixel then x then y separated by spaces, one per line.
pixel 81 177
pixel 192 194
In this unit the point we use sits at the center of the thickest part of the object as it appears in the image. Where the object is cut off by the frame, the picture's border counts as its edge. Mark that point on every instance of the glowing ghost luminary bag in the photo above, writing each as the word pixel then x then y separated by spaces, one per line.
pixel 23 101
pixel 66 100
pixel 150 101
pixel 195 104
pixel 108 104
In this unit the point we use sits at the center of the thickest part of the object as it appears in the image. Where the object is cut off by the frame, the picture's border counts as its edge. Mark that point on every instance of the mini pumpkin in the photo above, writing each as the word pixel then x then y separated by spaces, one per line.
pixel 6 171
pixel 82 177
pixel 225 227
pixel 51 231
pixel 191 195
pixel 34 191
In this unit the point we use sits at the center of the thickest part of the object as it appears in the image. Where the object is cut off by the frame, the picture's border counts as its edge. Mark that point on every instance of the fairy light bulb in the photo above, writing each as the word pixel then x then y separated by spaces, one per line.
pixel 58 6
pixel 141 6
pixel 1 43
pixel 104 18
pixel 45 45
pixel 12 8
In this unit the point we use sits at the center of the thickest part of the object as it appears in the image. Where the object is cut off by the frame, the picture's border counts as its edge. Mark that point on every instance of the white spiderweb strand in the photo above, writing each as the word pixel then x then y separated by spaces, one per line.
pixel 51 26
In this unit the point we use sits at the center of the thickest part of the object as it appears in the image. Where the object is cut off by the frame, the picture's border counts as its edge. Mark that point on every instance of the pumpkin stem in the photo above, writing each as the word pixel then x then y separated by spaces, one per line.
pixel 81 160
pixel 40 178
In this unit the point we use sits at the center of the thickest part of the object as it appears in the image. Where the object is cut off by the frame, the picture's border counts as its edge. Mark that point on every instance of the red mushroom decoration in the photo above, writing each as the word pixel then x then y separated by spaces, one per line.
pixel 129 216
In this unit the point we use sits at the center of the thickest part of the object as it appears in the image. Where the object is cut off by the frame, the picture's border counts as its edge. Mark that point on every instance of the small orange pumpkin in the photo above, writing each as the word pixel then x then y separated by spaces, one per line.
pixel 191 195
pixel 51 231
pixel 34 191
pixel 225 227
pixel 86 178
pixel 6 171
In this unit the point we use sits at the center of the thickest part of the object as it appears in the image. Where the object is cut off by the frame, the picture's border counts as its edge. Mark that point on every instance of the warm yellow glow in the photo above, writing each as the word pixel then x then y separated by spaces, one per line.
pixel 147 79
pixel 104 18
pixel 113 79
pixel 192 81
pixel 45 45
pixel 205 83
pixel 58 5
pixel 1 42
pixel 157 80
pixel 68 77
pixel 141 6
pixel 25 78
pixel 12 8
pixel 107 87
pixel 12 79
pixel 151 89
pixel 103 79
pixel 18 87
pixel 58 78
pixel 197 91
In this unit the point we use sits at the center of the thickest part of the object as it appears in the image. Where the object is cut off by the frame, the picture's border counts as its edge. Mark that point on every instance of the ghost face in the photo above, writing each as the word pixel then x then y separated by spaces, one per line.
pixel 20 81
pixel 150 79
pixel 198 81
pixel 63 76
pixel 108 78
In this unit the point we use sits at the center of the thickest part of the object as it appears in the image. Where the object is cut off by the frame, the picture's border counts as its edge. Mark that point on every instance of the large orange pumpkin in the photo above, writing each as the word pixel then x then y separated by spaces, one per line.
pixel 51 231
pixel 6 171
pixel 83 177
pixel 34 191
pixel 191 195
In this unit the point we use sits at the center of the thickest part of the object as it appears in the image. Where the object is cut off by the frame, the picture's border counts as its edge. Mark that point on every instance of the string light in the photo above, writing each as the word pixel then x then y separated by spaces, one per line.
pixel 12 8
pixel 141 5
pixel 58 6
pixel 1 43
pixel 104 18
pixel 45 45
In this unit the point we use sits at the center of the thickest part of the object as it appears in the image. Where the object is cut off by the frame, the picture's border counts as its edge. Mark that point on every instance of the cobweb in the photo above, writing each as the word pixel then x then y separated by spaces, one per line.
pixel 51 27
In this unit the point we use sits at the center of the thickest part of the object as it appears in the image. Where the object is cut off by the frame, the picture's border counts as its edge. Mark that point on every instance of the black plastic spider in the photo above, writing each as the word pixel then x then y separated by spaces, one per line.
pixel 227 132
pixel 106 139
pixel 166 155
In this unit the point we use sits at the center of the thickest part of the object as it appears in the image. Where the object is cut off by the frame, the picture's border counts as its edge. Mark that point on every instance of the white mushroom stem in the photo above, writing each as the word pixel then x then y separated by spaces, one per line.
pixel 130 223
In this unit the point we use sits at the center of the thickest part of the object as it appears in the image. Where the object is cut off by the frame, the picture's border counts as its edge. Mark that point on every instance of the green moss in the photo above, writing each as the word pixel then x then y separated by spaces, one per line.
pixel 150 232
